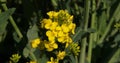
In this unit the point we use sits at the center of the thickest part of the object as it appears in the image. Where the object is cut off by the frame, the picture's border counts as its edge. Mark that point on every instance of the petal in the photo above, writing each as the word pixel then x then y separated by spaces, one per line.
pixel 55 45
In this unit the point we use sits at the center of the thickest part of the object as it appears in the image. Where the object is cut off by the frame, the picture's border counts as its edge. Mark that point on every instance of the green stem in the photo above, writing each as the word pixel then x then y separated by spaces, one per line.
pixel 83 45
pixel 33 56
pixel 109 25
pixel 13 22
pixel 116 55
pixel 92 35
pixel 76 58
pixel 54 3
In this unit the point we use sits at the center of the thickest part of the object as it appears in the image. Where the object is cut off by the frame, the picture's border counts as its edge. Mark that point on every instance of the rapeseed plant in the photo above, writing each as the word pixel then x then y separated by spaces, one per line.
pixel 58 28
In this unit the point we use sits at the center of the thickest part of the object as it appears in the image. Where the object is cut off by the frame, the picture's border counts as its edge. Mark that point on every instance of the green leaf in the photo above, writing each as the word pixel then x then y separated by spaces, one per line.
pixel 102 22
pixel 3 22
pixel 43 59
pixel 26 52
pixel 32 32
pixel 117 38
pixel 16 38
pixel 72 58
pixel 80 33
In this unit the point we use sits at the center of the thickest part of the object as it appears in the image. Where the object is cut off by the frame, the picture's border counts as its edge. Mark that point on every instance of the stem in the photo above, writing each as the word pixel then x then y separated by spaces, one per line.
pixel 92 35
pixel 116 55
pixel 109 25
pixel 83 45
pixel 33 56
pixel 76 58
pixel 13 22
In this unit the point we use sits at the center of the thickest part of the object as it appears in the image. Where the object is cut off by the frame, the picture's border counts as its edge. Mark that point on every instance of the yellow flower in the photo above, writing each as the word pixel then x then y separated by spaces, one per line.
pixel 52 14
pixel 60 34
pixel 35 42
pixel 52 60
pixel 51 35
pixel 50 46
pixel 53 26
pixel 58 28
pixel 33 62
pixel 47 23
pixel 68 41
pixel 55 33
pixel 72 27
pixel 65 28
pixel 61 55
pixel 61 39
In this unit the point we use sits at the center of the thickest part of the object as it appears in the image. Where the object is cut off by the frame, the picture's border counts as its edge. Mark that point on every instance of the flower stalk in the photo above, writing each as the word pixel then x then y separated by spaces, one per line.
pixel 13 22
pixel 83 45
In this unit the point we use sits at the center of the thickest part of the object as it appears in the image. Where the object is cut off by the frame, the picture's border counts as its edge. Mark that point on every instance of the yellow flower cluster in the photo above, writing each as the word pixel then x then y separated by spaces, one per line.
pixel 59 26
pixel 35 42
pixel 61 55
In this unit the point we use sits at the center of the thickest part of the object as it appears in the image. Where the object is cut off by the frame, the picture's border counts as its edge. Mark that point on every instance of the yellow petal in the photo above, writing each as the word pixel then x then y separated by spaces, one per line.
pixel 65 28
pixel 51 38
pixel 49 49
pixel 53 26
pixel 58 28
pixel 52 14
pixel 60 34
pixel 61 39
pixel 49 33
pixel 55 45
pixel 46 45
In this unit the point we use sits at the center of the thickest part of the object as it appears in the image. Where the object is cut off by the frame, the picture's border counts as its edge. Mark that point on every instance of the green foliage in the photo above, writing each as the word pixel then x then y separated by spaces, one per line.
pixel 3 22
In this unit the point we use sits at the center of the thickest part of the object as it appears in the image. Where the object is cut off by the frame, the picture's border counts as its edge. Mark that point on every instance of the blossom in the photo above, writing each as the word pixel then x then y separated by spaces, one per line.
pixel 51 36
pixel 53 25
pixel 52 14
pixel 50 46
pixel 59 26
pixel 72 27
pixel 60 34
pixel 46 23
pixel 35 42
pixel 52 60
pixel 65 28
pixel 61 55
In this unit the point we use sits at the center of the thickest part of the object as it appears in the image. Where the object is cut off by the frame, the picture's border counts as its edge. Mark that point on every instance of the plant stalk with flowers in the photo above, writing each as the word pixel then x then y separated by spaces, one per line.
pixel 58 29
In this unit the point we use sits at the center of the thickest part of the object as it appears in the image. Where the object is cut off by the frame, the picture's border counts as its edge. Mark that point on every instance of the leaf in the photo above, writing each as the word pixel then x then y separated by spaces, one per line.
pixel 117 38
pixel 16 38
pixel 3 21
pixel 43 59
pixel 72 59
pixel 80 33
pixel 102 22
pixel 32 32
pixel 26 52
